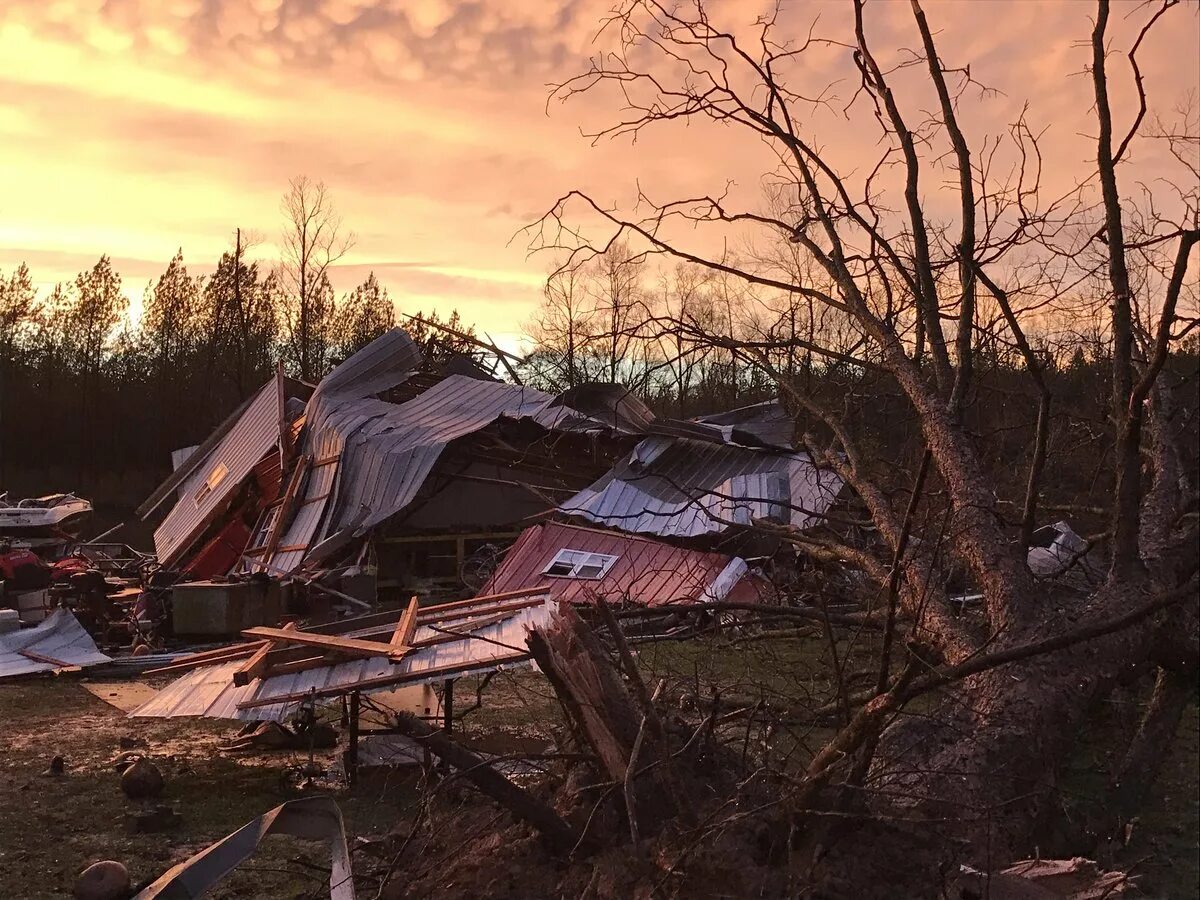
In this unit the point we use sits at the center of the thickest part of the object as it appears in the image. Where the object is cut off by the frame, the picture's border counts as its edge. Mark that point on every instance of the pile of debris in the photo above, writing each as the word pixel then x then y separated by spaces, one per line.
pixel 384 480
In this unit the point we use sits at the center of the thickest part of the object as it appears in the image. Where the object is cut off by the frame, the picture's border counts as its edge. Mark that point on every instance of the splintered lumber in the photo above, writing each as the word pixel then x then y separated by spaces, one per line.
pixel 336 643
pixel 523 805
pixel 402 636
pixel 603 716
pixel 256 665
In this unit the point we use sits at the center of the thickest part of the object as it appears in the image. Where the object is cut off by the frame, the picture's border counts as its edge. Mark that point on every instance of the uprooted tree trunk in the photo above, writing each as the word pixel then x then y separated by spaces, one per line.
pixel 627 737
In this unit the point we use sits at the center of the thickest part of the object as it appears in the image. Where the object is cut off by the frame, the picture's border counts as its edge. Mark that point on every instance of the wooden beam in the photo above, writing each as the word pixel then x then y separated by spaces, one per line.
pixel 344 645
pixel 50 660
pixel 402 636
pixel 466 630
pixel 486 598
pixel 283 519
pixel 467 613
pixel 302 659
pixel 208 658
pixel 256 665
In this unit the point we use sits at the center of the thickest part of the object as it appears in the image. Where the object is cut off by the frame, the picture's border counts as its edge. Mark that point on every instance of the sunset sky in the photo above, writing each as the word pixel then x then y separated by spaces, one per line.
pixel 134 127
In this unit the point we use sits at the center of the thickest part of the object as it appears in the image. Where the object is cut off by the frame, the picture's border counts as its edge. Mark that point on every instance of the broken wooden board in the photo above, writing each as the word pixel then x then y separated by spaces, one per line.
pixel 257 664
pixel 335 643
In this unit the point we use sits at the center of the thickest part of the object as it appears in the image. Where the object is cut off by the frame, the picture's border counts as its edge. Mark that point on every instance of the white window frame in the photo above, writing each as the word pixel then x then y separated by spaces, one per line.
pixel 579 560
pixel 218 474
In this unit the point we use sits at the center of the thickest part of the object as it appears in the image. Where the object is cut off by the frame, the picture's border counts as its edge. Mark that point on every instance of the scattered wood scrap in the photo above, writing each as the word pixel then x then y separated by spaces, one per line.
pixel 390 635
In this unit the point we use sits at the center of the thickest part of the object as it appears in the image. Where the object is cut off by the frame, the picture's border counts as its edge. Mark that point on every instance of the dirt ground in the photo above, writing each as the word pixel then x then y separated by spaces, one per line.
pixel 54 826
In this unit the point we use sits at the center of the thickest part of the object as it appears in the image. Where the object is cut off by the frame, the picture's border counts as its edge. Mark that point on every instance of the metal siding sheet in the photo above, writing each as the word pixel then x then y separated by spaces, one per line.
pixel 246 443
pixel 646 571
pixel 683 488
pixel 388 450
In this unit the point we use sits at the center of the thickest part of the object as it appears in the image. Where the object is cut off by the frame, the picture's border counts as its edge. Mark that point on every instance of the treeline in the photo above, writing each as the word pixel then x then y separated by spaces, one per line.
pixel 87 390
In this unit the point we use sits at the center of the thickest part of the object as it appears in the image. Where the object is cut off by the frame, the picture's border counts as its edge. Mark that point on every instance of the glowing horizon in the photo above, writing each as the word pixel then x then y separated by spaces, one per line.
pixel 133 128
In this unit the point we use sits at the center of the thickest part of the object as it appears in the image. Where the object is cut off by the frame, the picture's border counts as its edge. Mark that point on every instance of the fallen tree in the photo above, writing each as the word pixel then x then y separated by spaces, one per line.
pixel 978 767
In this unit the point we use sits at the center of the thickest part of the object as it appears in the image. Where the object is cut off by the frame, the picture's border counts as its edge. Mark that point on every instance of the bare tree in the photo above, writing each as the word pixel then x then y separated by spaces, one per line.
pixel 313 240
pixel 916 301
pixel 562 328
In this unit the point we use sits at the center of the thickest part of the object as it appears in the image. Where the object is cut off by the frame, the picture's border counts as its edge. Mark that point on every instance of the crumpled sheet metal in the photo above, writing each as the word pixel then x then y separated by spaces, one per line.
pixel 59 636
pixel 674 487
pixel 310 818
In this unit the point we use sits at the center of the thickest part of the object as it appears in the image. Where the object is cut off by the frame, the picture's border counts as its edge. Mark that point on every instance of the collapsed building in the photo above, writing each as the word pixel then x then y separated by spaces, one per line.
pixel 390 469
pixel 296 480
pixel 399 474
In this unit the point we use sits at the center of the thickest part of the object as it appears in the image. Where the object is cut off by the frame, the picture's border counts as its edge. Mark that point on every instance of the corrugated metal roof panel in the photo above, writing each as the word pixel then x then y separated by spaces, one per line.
pixel 59 636
pixel 386 450
pixel 339 406
pixel 388 459
pixel 210 691
pixel 646 571
pixel 254 433
pixel 768 422
pixel 682 488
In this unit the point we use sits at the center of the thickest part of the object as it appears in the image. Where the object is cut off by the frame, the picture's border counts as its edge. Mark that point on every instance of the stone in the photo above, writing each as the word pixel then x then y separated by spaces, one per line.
pixel 142 780
pixel 107 880
pixel 128 742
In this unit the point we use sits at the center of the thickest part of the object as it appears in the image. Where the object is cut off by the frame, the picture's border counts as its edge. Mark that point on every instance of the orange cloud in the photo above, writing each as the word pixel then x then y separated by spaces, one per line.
pixel 134 127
